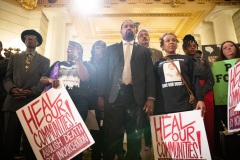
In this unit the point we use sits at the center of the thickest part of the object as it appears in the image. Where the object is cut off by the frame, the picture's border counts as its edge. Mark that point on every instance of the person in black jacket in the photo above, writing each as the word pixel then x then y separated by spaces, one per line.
pixel 75 77
pixel 190 46
pixel 128 82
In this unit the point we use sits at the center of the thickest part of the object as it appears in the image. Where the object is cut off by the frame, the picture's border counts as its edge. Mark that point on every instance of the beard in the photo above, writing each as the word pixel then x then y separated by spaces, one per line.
pixel 129 35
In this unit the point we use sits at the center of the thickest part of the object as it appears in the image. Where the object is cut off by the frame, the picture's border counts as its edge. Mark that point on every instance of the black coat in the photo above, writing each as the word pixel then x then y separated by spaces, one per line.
pixel 143 78
pixel 16 76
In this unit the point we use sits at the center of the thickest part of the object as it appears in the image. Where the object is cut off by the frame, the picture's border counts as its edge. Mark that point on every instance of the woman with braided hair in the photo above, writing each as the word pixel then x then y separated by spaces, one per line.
pixel 190 47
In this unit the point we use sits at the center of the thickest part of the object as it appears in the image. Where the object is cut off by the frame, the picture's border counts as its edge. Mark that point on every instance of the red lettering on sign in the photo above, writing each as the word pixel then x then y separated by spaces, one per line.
pixel 165 126
pixel 31 119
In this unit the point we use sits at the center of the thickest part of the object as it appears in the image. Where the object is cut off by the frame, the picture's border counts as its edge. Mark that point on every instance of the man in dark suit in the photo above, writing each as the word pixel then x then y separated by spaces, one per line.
pixel 129 83
pixel 144 39
pixel 22 85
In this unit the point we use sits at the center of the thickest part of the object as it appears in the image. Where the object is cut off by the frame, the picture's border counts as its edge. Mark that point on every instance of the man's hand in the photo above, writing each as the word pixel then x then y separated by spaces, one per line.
pixel 15 90
pixel 20 93
pixel 149 107
pixel 201 105
pixel 100 103
pixel 17 93
pixel 27 92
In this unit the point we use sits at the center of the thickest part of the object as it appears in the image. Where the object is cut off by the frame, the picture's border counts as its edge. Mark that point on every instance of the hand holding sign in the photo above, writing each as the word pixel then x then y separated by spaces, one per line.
pixel 54 127
pixel 55 82
pixel 201 105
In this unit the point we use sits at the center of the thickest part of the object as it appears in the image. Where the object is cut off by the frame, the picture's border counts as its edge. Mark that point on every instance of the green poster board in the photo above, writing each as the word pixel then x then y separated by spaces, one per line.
pixel 220 73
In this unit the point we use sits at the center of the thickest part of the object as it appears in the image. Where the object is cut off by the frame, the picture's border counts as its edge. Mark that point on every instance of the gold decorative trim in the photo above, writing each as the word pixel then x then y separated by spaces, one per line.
pixel 179 24
pixel 141 15
pixel 184 27
pixel 191 20
pixel 108 3
pixel 29 4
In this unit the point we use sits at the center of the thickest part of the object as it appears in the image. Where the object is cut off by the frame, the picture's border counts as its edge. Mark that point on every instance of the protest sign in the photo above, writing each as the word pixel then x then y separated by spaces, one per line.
pixel 234 99
pixel 220 73
pixel 179 136
pixel 54 126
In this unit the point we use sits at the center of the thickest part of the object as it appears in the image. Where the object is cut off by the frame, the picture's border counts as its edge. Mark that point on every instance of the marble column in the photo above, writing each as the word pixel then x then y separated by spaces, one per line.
pixel 224 30
pixel 56 35
pixel 206 32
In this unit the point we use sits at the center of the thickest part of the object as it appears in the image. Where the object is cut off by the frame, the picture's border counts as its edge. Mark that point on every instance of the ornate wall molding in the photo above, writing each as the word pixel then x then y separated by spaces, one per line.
pixel 180 14
pixel 108 3
pixel 191 20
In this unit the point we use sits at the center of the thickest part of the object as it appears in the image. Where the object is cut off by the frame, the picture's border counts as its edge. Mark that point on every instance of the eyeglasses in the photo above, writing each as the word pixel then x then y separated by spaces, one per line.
pixel 143 34
pixel 30 37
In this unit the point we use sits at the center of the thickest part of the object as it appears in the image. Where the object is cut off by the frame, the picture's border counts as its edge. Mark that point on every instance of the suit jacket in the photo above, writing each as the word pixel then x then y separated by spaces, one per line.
pixel 143 78
pixel 16 76
pixel 3 70
pixel 156 54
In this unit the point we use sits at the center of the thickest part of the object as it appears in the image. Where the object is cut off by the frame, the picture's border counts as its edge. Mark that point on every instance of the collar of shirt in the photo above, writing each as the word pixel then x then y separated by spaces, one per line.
pixel 125 42
pixel 32 53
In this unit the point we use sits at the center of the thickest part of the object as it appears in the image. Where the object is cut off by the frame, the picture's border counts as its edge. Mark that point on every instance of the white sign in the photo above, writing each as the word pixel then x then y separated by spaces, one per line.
pixel 54 126
pixel 179 136
pixel 234 99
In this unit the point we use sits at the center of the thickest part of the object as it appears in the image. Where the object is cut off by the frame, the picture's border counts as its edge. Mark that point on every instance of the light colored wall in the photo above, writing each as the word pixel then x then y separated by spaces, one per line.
pixel 236 23
pixel 14 20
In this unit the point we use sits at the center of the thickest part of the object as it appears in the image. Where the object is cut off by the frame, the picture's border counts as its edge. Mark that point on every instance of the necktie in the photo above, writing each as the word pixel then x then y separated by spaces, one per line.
pixel 28 61
pixel 126 76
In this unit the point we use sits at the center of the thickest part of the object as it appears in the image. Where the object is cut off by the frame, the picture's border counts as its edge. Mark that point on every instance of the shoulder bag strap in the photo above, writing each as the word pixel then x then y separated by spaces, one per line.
pixel 191 99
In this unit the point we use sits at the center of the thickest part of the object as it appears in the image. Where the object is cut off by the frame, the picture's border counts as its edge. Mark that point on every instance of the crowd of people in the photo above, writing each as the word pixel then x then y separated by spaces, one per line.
pixel 124 83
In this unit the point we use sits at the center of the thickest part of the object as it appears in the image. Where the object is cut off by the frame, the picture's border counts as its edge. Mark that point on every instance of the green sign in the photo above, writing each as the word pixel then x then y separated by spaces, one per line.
pixel 220 73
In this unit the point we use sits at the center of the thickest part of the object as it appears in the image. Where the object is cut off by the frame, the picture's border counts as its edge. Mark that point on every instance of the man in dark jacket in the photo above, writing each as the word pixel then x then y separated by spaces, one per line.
pixel 22 85
pixel 129 84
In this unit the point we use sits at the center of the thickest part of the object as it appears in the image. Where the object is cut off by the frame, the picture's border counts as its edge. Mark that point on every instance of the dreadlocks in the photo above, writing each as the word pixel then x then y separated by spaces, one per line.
pixel 187 40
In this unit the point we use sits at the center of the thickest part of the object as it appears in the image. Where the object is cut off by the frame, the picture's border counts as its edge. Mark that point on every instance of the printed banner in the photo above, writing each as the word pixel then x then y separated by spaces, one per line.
pixel 54 127
pixel 234 99
pixel 220 73
pixel 210 52
pixel 179 136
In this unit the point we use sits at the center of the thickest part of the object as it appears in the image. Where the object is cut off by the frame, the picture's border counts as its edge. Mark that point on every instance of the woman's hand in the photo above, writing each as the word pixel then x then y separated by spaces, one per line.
pixel 55 82
pixel 201 105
